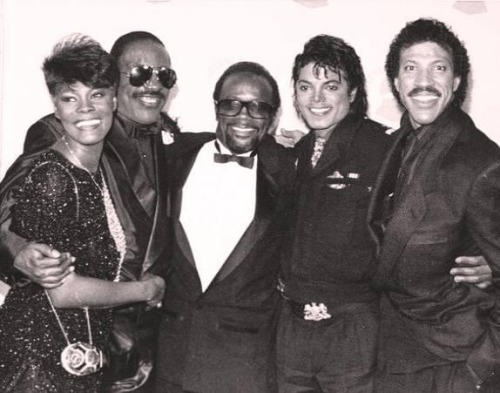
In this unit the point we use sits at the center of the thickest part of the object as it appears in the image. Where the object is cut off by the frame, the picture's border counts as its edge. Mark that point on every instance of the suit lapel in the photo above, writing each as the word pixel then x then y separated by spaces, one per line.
pixel 412 207
pixel 124 150
pixel 404 221
pixel 180 158
pixel 383 190
pixel 158 232
pixel 267 193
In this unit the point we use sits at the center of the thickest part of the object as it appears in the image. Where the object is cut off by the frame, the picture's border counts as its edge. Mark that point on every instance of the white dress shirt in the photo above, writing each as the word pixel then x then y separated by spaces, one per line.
pixel 218 204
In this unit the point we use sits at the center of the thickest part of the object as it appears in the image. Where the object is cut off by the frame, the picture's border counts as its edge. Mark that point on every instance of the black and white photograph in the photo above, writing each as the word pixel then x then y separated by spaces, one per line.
pixel 249 196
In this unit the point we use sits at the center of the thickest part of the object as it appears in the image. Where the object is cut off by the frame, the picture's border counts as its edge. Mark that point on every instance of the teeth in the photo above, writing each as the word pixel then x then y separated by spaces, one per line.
pixel 88 123
pixel 242 129
pixel 319 111
pixel 425 97
pixel 150 100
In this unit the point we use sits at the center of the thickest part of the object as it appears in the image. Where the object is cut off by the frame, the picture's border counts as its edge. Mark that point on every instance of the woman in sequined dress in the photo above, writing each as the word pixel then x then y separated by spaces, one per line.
pixel 62 200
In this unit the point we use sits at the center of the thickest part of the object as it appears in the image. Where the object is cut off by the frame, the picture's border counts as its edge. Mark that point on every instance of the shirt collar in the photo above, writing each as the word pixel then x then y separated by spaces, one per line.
pixel 136 130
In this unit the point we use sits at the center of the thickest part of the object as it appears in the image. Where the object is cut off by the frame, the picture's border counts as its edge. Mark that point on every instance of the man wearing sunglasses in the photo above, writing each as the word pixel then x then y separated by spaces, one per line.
pixel 133 160
pixel 229 199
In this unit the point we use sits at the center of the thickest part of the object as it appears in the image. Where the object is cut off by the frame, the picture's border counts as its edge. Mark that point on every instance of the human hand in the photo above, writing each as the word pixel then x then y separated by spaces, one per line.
pixel 155 289
pixel 44 265
pixel 288 138
pixel 474 270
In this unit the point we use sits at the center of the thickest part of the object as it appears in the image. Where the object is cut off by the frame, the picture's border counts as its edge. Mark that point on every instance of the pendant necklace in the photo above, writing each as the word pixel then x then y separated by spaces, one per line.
pixel 79 358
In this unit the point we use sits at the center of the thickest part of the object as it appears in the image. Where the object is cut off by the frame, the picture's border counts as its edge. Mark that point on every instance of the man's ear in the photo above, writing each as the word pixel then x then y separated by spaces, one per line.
pixel 352 95
pixel 273 125
pixel 115 103
pixel 396 84
pixel 456 83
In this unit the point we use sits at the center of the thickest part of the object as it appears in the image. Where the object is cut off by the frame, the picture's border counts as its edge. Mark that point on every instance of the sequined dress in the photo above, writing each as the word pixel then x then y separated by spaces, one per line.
pixel 57 204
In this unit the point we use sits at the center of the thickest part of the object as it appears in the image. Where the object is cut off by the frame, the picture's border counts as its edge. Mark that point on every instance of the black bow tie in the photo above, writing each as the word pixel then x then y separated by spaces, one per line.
pixel 140 131
pixel 246 162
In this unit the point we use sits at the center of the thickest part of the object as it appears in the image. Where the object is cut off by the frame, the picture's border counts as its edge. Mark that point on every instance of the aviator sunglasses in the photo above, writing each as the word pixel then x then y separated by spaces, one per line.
pixel 140 74
pixel 256 109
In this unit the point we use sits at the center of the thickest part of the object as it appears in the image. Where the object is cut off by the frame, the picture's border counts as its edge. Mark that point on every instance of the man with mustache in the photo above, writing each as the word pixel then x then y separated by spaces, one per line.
pixel 437 335
pixel 133 158
pixel 230 196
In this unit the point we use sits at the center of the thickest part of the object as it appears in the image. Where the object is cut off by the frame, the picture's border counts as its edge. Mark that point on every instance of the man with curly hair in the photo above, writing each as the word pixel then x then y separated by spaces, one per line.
pixel 437 335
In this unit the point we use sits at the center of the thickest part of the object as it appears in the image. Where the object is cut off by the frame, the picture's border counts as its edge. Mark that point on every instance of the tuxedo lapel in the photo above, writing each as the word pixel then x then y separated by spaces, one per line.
pixel 180 158
pixel 266 203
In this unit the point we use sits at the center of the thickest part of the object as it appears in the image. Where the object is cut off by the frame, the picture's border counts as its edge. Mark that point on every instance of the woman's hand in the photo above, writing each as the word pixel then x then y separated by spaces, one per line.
pixel 155 289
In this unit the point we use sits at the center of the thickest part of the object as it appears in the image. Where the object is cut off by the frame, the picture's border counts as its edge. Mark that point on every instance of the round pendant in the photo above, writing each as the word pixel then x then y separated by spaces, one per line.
pixel 81 359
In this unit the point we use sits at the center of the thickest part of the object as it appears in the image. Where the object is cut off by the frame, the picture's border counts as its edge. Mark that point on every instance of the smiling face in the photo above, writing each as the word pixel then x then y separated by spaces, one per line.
pixel 322 97
pixel 242 133
pixel 86 113
pixel 425 81
pixel 142 104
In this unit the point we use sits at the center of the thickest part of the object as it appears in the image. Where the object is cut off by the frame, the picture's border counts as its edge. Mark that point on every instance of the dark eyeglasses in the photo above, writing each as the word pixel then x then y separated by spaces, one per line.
pixel 256 109
pixel 139 75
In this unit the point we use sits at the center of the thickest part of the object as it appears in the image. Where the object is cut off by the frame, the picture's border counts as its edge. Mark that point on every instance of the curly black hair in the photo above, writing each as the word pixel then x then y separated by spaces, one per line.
pixel 333 53
pixel 424 30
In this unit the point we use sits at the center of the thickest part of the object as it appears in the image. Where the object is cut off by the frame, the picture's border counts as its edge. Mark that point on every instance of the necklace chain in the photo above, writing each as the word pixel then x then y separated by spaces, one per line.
pixel 80 164
pixel 86 309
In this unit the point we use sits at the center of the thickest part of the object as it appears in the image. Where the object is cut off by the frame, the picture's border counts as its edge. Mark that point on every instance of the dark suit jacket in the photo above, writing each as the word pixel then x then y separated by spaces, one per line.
pixel 220 340
pixel 451 207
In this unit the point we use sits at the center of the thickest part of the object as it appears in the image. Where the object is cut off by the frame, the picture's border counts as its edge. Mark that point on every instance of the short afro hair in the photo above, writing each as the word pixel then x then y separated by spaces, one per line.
pixel 425 30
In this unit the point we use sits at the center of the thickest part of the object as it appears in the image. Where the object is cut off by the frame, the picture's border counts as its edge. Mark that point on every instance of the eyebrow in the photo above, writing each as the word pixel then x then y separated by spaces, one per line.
pixel 325 81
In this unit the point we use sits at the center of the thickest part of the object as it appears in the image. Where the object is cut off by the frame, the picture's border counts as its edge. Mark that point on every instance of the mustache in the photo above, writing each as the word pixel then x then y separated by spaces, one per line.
pixel 426 89
pixel 151 92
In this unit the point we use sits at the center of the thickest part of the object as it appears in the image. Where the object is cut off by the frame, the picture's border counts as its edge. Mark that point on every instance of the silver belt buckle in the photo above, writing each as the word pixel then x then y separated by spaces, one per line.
pixel 316 312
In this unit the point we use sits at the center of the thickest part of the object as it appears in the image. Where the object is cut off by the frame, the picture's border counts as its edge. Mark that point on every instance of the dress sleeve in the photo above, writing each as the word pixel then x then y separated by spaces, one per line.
pixel 46 201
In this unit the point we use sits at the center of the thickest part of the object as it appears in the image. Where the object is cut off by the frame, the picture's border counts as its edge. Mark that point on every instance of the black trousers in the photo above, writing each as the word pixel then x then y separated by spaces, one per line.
pixel 449 378
pixel 336 355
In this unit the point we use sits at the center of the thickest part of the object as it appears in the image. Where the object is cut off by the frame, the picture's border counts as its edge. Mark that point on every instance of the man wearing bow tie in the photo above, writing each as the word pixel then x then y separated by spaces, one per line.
pixel 133 161
pixel 229 199
pixel 437 335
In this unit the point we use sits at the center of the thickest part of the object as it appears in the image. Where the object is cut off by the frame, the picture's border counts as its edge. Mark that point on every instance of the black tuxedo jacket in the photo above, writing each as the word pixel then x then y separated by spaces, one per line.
pixel 450 207
pixel 221 340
